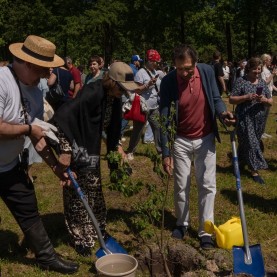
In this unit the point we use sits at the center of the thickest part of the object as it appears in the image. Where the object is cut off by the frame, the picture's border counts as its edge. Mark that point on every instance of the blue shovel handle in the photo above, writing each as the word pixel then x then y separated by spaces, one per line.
pixel 248 258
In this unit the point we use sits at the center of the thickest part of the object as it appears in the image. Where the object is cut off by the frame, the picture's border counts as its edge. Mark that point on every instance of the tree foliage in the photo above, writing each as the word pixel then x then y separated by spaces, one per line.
pixel 120 28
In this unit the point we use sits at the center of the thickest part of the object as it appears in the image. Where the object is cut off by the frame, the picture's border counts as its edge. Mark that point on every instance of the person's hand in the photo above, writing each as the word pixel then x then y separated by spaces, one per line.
pixel 68 181
pixel 168 165
pixel 60 172
pixel 251 96
pixel 228 118
pixel 262 99
pixel 65 160
pixel 37 133
pixel 122 153
pixel 152 82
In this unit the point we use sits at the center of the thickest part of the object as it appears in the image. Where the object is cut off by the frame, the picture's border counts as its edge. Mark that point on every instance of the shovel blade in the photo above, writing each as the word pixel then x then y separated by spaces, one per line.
pixel 112 245
pixel 255 268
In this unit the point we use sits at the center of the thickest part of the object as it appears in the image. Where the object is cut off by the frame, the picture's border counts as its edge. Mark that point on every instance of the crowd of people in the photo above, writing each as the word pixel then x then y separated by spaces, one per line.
pixel 91 110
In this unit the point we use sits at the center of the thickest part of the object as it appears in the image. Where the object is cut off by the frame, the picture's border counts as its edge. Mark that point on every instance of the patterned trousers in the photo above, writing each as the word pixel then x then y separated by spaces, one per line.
pixel 77 220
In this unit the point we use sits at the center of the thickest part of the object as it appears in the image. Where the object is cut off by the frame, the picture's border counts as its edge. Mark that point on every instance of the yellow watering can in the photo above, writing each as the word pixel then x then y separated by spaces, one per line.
pixel 228 234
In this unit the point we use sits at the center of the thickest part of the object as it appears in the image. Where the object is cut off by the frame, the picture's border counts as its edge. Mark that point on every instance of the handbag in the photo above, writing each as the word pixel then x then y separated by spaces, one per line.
pixel 48 111
pixel 135 113
pixel 55 93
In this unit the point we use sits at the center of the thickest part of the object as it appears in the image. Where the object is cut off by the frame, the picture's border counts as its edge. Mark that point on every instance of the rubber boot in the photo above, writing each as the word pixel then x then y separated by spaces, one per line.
pixel 46 257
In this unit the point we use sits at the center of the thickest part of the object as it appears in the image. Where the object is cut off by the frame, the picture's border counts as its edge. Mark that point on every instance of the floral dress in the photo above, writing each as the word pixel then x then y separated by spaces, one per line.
pixel 251 118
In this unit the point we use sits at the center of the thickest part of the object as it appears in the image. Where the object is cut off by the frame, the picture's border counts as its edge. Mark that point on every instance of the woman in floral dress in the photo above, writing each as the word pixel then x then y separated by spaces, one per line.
pixel 252 97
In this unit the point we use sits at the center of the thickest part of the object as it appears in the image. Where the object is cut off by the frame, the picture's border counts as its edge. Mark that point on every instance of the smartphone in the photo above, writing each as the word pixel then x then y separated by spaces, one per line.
pixel 259 90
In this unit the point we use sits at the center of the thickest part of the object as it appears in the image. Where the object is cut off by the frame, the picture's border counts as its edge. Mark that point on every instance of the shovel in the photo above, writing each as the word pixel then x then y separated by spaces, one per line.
pixel 110 245
pixel 247 259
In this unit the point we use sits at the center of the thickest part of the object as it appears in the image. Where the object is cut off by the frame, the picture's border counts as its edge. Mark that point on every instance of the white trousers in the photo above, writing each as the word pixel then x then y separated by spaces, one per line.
pixel 202 153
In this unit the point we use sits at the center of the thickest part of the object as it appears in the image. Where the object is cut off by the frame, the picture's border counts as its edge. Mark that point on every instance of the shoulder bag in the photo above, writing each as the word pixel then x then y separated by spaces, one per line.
pixel 24 155
pixel 55 93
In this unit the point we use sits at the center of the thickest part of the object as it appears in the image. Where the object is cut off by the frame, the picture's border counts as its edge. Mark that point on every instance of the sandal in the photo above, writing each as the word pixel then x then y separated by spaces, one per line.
pixel 206 243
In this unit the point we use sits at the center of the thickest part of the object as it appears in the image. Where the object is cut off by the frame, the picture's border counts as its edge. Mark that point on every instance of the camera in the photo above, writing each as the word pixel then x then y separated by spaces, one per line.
pixel 24 159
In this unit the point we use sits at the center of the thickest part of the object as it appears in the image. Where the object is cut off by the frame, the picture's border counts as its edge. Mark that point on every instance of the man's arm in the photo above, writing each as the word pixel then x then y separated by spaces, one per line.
pixel 77 87
pixel 77 81
pixel 13 131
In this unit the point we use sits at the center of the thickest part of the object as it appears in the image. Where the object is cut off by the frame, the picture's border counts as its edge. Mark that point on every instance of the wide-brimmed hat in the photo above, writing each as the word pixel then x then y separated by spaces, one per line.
pixel 37 50
pixel 123 74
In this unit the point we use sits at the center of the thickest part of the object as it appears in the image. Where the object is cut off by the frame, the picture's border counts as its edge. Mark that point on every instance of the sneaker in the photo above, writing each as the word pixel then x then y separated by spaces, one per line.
pixel 148 142
pixel 83 250
pixel 130 156
pixel 179 232
pixel 258 179
pixel 206 243
pixel 265 135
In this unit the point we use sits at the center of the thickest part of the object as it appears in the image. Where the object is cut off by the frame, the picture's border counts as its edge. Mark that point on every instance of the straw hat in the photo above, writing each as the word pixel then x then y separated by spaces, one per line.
pixel 37 50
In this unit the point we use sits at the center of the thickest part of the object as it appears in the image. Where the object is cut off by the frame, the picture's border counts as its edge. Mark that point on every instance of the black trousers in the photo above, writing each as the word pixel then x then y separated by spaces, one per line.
pixel 18 193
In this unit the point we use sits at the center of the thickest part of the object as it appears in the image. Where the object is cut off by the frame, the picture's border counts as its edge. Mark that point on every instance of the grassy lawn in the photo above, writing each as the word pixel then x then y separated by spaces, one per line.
pixel 260 209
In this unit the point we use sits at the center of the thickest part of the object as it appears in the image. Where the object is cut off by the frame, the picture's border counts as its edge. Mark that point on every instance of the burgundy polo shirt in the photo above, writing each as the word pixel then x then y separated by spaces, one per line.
pixel 194 116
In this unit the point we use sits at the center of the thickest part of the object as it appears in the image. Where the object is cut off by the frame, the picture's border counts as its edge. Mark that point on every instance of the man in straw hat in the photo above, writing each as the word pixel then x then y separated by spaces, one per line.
pixel 21 102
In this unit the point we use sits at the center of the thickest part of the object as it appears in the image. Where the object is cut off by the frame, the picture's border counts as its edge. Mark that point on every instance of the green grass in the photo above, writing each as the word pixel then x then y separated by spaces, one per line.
pixel 260 209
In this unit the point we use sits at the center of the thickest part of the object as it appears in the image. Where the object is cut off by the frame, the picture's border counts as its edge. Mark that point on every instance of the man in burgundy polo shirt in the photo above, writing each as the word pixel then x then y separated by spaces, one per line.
pixel 76 74
pixel 193 90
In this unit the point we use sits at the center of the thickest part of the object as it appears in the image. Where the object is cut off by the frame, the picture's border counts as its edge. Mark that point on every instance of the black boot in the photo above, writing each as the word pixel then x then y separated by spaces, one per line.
pixel 46 256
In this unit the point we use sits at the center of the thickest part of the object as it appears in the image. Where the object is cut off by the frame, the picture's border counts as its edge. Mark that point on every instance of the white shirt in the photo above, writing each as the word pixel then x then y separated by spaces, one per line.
pixel 150 95
pixel 226 71
pixel 265 74
pixel 11 112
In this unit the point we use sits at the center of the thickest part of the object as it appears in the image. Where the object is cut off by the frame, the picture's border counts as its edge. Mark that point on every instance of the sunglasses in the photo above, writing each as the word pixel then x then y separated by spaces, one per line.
pixel 120 87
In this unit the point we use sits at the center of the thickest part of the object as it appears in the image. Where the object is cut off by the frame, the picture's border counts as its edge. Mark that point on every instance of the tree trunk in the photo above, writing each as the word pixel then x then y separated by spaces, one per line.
pixel 108 44
pixel 182 27
pixel 229 41
pixel 254 48
pixel 65 46
pixel 249 40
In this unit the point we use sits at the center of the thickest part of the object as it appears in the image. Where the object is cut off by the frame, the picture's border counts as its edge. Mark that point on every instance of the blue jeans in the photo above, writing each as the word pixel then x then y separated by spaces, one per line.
pixel 148 135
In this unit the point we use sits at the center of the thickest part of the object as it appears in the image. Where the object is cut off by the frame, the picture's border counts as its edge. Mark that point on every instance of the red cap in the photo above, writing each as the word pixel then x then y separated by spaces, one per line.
pixel 153 55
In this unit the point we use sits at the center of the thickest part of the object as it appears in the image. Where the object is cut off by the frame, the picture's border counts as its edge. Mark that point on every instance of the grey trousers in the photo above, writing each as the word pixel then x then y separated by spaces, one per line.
pixel 202 153
pixel 153 116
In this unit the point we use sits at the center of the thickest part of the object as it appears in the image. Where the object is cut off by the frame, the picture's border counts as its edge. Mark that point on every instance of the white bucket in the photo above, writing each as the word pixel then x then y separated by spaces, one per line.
pixel 116 265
